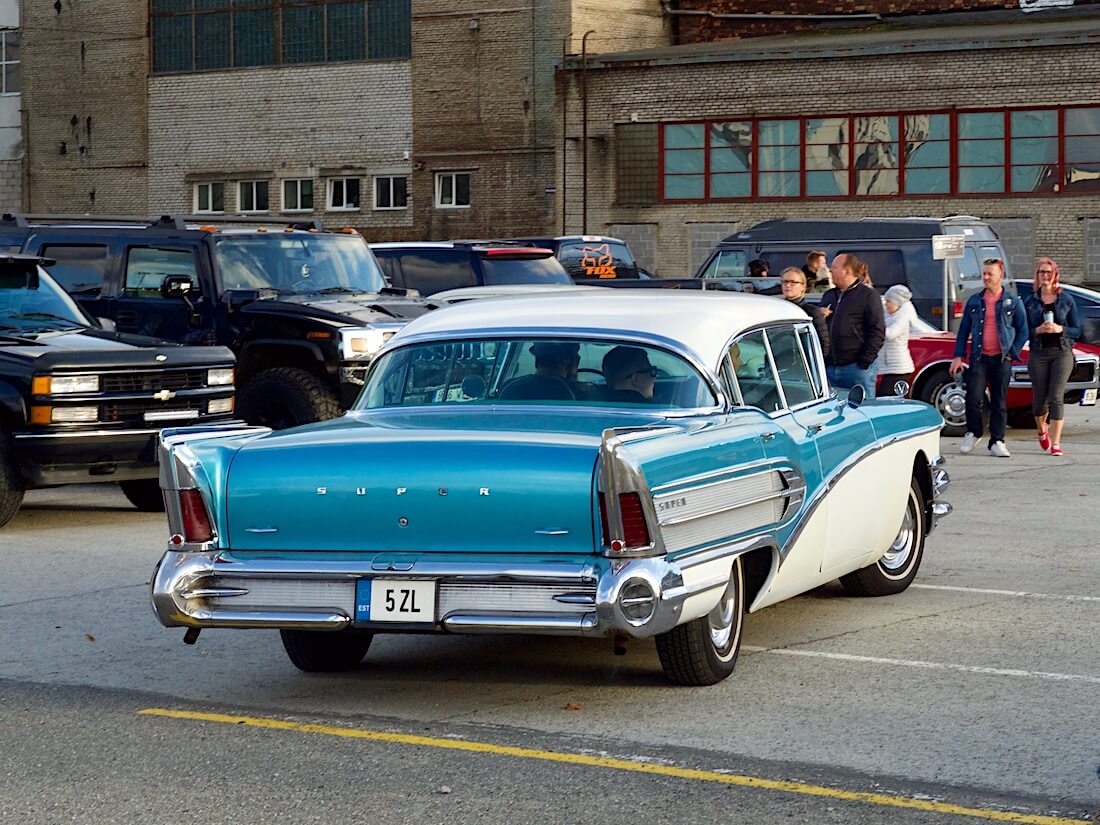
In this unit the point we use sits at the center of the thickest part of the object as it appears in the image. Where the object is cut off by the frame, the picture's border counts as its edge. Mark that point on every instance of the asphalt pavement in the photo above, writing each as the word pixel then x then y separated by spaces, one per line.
pixel 975 694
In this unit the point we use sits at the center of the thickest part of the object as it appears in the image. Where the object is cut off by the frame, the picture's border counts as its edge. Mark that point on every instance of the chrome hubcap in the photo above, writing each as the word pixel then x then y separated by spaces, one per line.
pixel 951 403
pixel 898 554
pixel 721 620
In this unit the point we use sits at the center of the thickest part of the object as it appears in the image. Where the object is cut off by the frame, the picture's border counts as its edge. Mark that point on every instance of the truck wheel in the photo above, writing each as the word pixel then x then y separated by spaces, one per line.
pixel 325 651
pixel 895 571
pixel 144 493
pixel 11 483
pixel 286 397
pixel 948 396
pixel 704 651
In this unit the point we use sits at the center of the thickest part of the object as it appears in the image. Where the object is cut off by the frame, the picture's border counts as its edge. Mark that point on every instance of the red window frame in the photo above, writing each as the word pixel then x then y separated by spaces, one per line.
pixel 1059 167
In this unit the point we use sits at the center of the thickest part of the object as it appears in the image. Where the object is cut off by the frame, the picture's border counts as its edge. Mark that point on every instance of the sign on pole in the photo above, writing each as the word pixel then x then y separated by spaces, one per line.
pixel 948 246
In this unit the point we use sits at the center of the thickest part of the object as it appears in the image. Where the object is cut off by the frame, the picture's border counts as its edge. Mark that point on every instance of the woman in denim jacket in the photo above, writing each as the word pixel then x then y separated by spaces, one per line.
pixel 1053 327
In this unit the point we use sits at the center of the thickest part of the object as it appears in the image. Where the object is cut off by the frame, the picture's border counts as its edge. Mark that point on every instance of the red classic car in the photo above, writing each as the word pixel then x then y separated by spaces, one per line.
pixel 932 351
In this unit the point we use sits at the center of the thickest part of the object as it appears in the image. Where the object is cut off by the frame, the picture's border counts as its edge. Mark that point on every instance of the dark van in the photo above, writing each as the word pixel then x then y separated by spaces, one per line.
pixel 896 250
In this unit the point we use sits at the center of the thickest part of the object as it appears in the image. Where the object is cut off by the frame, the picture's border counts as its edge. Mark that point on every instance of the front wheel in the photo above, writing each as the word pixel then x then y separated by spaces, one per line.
pixel 704 651
pixel 325 651
pixel 284 397
pixel 948 396
pixel 897 568
pixel 144 493
pixel 11 483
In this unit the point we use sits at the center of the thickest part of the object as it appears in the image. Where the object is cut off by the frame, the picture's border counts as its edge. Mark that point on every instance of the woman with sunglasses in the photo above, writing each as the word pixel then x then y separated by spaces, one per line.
pixel 1053 327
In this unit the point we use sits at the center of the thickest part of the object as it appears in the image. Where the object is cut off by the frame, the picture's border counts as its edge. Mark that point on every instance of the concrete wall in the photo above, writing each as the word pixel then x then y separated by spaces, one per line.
pixel 84 93
pixel 1041 77
pixel 341 119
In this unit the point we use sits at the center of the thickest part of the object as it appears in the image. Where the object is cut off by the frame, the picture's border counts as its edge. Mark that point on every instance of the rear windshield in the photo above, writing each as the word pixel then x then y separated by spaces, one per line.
pixel 542 372
pixel 297 262
pixel 597 259
pixel 505 270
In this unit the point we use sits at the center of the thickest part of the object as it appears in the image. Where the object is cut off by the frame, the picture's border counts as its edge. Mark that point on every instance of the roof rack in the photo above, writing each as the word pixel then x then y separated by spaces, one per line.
pixel 293 223
pixel 177 222
pixel 27 219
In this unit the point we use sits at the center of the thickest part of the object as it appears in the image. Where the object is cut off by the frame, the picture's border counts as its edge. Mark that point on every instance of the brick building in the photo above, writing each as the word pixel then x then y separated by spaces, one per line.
pixel 11 130
pixel 990 111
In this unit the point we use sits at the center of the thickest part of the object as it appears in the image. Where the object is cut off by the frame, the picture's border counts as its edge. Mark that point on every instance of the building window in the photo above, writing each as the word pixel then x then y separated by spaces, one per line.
pixel 343 194
pixel 210 197
pixel 976 152
pixel 11 77
pixel 201 35
pixel 252 196
pixel 452 190
pixel 298 195
pixel 391 192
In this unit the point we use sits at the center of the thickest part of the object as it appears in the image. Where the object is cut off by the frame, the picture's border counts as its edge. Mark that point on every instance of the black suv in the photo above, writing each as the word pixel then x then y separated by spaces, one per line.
pixel 592 258
pixel 304 309
pixel 79 403
pixel 434 266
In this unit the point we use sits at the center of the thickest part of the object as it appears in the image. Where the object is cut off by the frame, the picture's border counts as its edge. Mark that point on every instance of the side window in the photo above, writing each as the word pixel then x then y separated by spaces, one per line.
pixel 753 370
pixel 885 266
pixel 727 263
pixel 807 336
pixel 790 363
pixel 388 265
pixel 434 270
pixel 597 260
pixel 987 252
pixel 146 269
pixel 79 269
pixel 970 268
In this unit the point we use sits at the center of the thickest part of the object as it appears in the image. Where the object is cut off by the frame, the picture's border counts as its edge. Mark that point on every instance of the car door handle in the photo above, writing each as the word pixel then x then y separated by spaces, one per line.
pixel 768 436
pixel 814 429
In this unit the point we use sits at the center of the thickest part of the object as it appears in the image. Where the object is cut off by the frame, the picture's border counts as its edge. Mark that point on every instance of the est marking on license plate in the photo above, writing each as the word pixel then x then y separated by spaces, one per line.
pixel 395 600
pixel 1089 398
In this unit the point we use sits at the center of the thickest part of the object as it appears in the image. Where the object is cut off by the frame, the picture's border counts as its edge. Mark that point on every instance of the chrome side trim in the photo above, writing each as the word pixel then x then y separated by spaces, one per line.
pixel 748 503
pixel 84 434
pixel 551 625
pixel 725 471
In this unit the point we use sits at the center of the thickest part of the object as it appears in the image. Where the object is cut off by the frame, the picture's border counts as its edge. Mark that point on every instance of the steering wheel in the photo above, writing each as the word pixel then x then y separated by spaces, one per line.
pixel 591 370
pixel 294 286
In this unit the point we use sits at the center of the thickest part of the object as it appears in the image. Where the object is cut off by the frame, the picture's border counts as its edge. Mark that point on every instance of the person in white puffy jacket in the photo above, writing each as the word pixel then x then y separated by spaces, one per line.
pixel 894 362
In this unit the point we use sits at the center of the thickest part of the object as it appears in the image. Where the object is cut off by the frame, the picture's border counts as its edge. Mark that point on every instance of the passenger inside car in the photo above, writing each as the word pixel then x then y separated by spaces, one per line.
pixel 629 375
pixel 555 376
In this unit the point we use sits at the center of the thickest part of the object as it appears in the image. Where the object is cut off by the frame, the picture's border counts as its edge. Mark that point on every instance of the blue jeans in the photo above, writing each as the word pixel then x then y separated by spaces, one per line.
pixel 994 371
pixel 847 376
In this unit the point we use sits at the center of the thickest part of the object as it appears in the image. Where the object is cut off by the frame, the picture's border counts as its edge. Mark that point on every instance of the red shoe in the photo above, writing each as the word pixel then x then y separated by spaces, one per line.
pixel 1056 449
pixel 1044 441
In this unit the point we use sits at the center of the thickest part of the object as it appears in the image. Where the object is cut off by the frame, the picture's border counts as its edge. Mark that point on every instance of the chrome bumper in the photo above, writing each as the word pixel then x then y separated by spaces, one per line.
pixel 940 482
pixel 570 597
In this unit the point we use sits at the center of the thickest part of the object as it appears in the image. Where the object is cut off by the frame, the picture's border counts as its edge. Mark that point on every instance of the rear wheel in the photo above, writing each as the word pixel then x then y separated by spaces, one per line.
pixel 144 493
pixel 895 571
pixel 322 651
pixel 948 396
pixel 704 651
pixel 11 483
pixel 286 397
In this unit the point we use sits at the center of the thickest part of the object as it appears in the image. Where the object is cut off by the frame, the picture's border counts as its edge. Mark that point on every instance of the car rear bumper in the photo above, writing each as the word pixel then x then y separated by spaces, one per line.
pixel 588 596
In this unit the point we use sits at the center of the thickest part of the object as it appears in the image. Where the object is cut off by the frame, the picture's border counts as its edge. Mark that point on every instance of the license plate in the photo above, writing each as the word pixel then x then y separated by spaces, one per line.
pixel 1089 398
pixel 395 600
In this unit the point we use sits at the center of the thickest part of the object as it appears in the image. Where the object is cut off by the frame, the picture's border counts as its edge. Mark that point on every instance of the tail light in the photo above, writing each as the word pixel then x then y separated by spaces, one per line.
pixel 635 529
pixel 196 525
pixel 956 309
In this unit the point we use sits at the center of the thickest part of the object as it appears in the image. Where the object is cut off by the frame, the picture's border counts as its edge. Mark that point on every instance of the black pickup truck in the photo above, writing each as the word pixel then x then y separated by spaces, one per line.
pixel 303 309
pixel 80 403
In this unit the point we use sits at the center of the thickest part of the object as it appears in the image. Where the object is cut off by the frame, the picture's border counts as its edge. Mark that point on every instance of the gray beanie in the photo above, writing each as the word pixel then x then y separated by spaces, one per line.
pixel 898 294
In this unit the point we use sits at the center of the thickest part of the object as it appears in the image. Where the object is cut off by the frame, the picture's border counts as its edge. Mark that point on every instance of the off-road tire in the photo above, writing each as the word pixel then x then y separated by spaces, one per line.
pixel 895 571
pixel 11 482
pixel 324 651
pixel 689 653
pixel 144 493
pixel 284 397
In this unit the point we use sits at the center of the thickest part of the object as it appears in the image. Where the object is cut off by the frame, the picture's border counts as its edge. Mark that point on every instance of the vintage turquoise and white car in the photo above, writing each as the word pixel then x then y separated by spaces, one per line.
pixel 625 465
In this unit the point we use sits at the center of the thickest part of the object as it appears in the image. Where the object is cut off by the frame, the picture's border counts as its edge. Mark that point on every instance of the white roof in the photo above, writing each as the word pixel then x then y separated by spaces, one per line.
pixel 700 322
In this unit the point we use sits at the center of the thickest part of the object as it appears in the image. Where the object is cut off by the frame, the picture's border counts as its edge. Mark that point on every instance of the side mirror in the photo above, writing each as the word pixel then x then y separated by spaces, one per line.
pixel 176 286
pixel 856 396
pixel 106 324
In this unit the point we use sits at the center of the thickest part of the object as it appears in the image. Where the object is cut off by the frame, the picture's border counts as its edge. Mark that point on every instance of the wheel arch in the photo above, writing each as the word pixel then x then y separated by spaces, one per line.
pixel 759 567
pixel 262 354
pixel 921 379
pixel 922 472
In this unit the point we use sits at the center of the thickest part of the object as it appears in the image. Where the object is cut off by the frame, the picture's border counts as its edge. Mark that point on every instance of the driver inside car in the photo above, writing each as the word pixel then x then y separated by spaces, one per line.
pixel 630 377
pixel 555 375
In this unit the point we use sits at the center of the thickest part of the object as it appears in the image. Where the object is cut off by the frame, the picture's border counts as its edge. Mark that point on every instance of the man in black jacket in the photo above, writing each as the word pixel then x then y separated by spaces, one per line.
pixel 792 281
pixel 856 326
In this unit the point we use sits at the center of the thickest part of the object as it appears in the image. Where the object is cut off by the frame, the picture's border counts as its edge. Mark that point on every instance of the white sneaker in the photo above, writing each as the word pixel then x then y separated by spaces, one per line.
pixel 968 442
pixel 999 449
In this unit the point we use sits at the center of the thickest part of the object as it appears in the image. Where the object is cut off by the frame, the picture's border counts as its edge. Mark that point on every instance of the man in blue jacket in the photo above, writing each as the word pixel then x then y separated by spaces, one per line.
pixel 995 325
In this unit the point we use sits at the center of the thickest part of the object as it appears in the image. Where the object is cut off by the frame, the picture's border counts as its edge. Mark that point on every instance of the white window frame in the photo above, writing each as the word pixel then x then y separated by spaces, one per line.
pixel 298 189
pixel 209 185
pixel 440 176
pixel 391 179
pixel 5 62
pixel 330 190
pixel 254 184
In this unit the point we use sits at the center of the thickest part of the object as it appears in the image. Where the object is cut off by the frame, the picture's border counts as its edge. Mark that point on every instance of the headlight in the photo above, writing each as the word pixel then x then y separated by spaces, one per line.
pixel 62 384
pixel 220 405
pixel 221 377
pixel 74 415
pixel 363 342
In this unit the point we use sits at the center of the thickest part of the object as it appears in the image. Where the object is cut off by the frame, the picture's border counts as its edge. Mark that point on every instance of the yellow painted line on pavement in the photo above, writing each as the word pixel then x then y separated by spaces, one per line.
pixel 613 763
